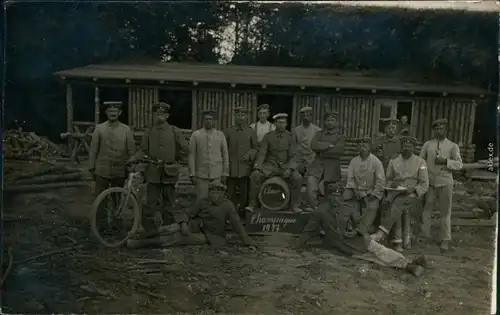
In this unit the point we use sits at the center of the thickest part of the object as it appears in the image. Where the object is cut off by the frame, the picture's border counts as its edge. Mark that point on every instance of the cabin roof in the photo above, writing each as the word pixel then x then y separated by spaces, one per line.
pixel 260 75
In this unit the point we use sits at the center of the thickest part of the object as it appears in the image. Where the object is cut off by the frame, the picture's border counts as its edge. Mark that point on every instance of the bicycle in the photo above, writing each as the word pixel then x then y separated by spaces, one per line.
pixel 127 200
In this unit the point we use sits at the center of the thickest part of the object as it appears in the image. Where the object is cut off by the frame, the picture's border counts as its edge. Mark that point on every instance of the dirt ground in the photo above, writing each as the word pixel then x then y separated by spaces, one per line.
pixel 59 268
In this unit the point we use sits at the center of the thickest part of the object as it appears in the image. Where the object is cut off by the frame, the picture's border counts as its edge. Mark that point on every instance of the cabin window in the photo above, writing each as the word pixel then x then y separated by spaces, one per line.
pixel 181 106
pixel 389 109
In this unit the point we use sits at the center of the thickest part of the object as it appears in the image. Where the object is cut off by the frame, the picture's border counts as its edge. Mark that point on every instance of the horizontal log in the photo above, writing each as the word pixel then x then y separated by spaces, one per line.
pixel 51 178
pixel 43 187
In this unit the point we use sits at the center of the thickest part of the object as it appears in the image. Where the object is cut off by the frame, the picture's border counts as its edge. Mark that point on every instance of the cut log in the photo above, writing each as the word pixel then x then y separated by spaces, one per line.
pixel 56 169
pixel 42 187
pixel 50 178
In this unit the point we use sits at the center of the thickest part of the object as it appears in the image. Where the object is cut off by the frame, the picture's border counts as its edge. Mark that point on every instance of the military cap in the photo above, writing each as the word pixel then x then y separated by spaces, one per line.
pixel 112 104
pixel 363 140
pixel 306 109
pixel 392 121
pixel 216 186
pixel 280 115
pixel 240 110
pixel 408 139
pixel 209 112
pixel 161 106
pixel 263 106
pixel 439 122
pixel 330 115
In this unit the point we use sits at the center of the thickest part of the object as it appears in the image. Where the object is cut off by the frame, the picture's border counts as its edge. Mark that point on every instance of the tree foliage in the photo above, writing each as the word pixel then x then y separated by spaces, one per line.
pixel 46 37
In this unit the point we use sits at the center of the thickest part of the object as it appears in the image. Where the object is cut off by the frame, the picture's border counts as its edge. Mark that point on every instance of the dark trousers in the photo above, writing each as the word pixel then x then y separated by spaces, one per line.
pixel 240 184
pixel 160 197
pixel 102 183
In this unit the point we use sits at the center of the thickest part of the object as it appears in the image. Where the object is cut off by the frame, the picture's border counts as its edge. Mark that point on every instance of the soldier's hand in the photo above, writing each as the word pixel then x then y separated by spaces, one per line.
pixel 410 191
pixel 287 173
pixel 246 158
pixel 394 185
pixel 440 160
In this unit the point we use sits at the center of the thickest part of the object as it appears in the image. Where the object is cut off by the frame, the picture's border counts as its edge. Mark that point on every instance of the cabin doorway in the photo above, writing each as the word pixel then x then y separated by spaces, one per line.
pixel 181 110
pixel 278 103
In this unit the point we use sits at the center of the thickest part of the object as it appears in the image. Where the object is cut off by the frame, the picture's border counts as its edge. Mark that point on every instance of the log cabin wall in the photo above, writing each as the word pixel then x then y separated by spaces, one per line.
pixel 223 102
pixel 460 115
pixel 140 102
pixel 356 114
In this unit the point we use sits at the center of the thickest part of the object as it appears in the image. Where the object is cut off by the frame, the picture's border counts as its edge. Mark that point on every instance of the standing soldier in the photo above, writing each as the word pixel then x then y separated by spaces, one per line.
pixel 111 146
pixel 302 136
pixel 388 146
pixel 165 144
pixel 208 155
pixel 365 184
pixel 242 145
pixel 409 171
pixel 276 157
pixel 442 157
pixel 329 147
pixel 263 126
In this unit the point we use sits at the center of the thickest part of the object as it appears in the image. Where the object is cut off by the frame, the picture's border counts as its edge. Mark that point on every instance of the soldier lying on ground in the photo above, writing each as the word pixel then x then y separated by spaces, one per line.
pixel 206 225
pixel 333 217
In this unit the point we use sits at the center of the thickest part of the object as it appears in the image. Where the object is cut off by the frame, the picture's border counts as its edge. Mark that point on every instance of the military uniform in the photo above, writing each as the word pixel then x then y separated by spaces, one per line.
pixel 302 136
pixel 276 155
pixel 412 174
pixel 440 181
pixel 386 148
pixel 165 143
pixel 208 158
pixel 241 142
pixel 111 146
pixel 329 147
pixel 333 218
pixel 365 176
pixel 206 225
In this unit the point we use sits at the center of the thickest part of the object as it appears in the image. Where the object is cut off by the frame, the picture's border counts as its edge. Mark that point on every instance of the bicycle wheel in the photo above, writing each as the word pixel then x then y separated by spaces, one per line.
pixel 110 213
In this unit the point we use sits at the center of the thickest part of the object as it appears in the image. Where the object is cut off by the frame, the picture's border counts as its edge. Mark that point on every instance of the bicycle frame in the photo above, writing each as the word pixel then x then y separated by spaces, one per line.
pixel 131 187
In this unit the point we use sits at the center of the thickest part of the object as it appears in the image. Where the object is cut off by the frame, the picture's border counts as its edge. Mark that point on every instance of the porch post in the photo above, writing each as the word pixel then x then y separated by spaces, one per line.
pixel 69 115
pixel 97 107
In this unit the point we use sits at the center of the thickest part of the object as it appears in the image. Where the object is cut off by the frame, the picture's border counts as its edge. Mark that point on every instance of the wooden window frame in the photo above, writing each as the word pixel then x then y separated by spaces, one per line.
pixel 393 103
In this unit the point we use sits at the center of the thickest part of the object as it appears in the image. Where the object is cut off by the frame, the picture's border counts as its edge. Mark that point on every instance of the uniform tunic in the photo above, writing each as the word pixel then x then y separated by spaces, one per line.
pixel 262 129
pixel 276 153
pixel 440 183
pixel 111 146
pixel 241 141
pixel 303 137
pixel 412 174
pixel 367 176
pixel 162 142
pixel 208 154
pixel 326 164
pixel 390 148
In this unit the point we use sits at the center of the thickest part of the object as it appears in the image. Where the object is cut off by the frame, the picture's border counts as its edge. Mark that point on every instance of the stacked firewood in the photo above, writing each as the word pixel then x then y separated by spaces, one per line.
pixel 21 145
pixel 47 178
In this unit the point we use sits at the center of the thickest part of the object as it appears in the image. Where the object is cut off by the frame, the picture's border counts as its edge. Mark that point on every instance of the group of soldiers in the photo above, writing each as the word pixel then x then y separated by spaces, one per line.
pixel 385 181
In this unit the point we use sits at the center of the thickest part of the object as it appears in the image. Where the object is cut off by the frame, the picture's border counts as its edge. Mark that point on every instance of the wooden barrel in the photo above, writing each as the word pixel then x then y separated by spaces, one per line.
pixel 274 194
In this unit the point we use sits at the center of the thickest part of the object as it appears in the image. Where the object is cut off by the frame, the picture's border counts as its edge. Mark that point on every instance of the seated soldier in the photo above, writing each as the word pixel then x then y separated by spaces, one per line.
pixel 365 185
pixel 409 171
pixel 333 218
pixel 206 225
pixel 276 157
pixel 329 147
